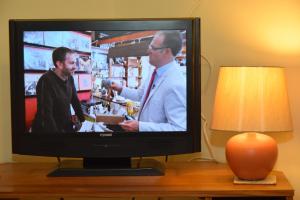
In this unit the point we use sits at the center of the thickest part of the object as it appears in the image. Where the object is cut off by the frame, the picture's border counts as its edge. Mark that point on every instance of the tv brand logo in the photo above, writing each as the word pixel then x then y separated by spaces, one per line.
pixel 105 134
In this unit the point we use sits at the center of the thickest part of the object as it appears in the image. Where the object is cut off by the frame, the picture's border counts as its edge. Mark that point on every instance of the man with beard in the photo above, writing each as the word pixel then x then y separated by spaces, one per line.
pixel 55 93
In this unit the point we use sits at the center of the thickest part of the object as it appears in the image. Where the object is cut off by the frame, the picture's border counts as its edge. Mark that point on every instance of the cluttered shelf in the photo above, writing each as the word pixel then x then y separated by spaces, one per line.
pixel 97 99
pixel 103 113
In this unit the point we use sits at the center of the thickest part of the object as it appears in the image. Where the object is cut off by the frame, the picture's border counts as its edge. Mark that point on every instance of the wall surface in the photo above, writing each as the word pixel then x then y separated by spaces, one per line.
pixel 233 32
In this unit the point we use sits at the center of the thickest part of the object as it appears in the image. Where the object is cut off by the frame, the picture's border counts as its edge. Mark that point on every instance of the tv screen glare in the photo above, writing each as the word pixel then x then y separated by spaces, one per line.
pixel 105 88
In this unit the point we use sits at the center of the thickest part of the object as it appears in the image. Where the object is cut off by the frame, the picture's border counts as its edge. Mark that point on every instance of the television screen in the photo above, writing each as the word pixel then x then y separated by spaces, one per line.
pixel 105 88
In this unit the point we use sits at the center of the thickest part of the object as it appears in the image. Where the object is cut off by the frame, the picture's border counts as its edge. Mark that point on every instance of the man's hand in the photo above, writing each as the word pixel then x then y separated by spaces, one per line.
pixel 116 87
pixel 78 126
pixel 130 125
pixel 76 123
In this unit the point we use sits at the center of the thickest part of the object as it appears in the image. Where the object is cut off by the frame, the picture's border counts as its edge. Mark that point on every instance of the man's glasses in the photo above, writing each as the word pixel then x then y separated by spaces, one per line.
pixel 151 47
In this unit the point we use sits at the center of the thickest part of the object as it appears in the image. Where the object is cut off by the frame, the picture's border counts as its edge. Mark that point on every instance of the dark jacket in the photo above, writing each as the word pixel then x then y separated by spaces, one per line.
pixel 54 97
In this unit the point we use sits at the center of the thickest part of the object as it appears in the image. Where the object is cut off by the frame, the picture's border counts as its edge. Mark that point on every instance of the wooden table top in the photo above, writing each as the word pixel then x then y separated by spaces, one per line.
pixel 198 179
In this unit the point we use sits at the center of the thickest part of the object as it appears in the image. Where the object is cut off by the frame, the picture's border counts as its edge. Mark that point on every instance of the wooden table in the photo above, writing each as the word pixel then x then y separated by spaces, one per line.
pixel 182 179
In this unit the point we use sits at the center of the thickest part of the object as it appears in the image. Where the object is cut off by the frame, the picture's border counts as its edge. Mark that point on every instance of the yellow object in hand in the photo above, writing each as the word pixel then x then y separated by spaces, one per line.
pixel 129 108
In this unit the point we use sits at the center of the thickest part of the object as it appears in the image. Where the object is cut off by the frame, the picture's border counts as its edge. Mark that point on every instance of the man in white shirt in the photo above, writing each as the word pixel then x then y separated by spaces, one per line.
pixel 163 96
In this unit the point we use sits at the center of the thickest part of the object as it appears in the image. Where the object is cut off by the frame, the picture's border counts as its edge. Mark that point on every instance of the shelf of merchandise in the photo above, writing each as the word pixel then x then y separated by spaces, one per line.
pixel 129 63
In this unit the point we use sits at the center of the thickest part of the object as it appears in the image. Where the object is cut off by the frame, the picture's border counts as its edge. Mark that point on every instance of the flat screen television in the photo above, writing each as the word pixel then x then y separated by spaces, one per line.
pixel 102 54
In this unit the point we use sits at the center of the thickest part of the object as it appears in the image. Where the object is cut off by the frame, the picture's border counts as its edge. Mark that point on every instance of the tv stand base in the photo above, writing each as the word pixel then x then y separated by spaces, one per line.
pixel 145 167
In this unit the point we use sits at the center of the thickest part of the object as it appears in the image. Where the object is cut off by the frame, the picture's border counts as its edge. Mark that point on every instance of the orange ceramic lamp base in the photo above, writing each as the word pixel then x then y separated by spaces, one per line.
pixel 251 156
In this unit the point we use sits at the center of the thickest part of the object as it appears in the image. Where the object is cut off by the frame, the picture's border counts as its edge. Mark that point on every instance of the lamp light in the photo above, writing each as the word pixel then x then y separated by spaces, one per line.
pixel 251 100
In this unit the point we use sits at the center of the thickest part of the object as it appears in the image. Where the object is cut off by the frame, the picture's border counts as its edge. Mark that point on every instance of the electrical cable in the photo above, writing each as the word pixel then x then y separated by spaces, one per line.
pixel 209 146
pixel 204 120
pixel 209 75
pixel 139 162
pixel 59 161
pixel 59 165
pixel 194 8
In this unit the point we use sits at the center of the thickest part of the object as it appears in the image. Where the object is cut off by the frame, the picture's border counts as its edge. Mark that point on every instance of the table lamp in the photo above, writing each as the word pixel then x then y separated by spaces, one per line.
pixel 251 100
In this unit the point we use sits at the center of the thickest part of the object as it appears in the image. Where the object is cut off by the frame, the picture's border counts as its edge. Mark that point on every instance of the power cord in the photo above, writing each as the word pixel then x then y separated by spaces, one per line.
pixel 194 8
pixel 203 117
pixel 59 165
pixel 166 160
pixel 139 162
pixel 59 161
pixel 207 141
pixel 138 165
pixel 209 75
pixel 204 120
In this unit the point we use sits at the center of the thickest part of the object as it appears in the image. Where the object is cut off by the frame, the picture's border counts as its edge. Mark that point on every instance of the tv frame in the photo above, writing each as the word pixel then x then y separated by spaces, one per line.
pixel 97 145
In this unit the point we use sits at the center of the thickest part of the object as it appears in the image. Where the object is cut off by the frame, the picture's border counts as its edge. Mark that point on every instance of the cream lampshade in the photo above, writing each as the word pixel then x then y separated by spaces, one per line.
pixel 251 100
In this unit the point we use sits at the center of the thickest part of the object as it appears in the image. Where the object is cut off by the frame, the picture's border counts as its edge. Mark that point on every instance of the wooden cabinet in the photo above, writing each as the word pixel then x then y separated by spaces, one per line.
pixel 205 180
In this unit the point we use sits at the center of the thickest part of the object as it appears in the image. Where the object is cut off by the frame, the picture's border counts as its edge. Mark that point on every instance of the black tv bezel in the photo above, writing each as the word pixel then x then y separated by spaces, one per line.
pixel 95 145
